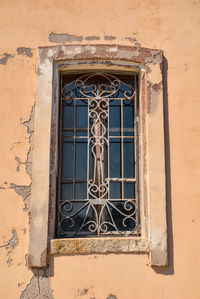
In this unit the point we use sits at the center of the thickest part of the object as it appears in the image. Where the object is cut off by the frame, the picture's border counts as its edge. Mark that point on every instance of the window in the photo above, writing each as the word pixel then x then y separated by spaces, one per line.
pixel 108 156
pixel 97 184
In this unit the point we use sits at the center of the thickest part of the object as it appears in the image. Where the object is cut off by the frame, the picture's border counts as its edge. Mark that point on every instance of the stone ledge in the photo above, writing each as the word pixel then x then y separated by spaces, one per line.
pixel 99 245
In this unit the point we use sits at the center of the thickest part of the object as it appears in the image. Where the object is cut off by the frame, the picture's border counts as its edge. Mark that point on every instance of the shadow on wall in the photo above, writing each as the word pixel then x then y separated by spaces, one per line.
pixel 169 270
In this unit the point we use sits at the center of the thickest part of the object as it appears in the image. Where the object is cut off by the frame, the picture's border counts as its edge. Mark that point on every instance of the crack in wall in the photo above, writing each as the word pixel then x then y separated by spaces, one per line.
pixel 38 287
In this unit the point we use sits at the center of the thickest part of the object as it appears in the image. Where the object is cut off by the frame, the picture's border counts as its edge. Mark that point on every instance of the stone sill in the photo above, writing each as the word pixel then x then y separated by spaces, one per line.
pixel 99 245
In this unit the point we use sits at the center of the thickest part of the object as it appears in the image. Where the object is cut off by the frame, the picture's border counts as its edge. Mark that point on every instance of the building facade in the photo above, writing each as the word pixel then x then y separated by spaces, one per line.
pixel 159 42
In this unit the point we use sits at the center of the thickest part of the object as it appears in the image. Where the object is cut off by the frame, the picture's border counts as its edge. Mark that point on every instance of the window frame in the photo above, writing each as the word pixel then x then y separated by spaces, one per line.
pixel 147 63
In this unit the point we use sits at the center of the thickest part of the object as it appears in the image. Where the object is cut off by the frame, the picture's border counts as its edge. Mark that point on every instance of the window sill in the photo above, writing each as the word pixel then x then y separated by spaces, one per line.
pixel 99 245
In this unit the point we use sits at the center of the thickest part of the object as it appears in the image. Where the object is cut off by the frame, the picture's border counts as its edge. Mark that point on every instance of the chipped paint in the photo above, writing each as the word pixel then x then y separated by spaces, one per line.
pixel 10 246
pixel 64 37
pixel 109 37
pixel 5 58
pixel 24 192
pixel 29 124
pixel 92 37
pixel 132 40
pixel 111 296
pixel 25 51
pixel 126 53
pixel 38 287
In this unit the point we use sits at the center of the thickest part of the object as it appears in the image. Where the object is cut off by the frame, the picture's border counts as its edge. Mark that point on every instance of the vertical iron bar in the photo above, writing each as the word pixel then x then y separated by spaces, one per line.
pixel 60 144
pixel 136 152
pixel 108 148
pixel 88 152
pixel 122 148
pixel 74 162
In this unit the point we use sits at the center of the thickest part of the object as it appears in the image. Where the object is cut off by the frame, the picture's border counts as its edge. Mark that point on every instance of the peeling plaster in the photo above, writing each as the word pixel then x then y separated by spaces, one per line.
pixel 13 242
pixel 5 58
pixel 25 51
pixel 10 246
pixel 30 130
pixel 17 159
pixel 92 37
pixel 82 292
pixel 24 192
pixel 126 54
pixel 39 287
pixel 153 94
pixel 111 296
pixel 64 37
pixel 109 37
pixel 132 40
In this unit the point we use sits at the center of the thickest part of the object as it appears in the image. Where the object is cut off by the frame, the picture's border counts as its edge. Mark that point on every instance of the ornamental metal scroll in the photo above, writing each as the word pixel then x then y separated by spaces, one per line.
pixel 99 213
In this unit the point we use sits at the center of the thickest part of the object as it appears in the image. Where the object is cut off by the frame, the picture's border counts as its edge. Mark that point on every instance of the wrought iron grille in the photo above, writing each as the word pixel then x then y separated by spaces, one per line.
pixel 97 181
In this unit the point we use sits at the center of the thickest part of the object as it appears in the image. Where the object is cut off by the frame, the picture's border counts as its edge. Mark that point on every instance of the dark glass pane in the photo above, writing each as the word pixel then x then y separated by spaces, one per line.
pixel 128 119
pixel 81 159
pixel 81 191
pixel 129 190
pixel 115 190
pixel 129 165
pixel 67 160
pixel 67 191
pixel 81 116
pixel 67 133
pixel 68 116
pixel 82 132
pixel 115 158
pixel 118 209
pixel 76 213
pixel 115 118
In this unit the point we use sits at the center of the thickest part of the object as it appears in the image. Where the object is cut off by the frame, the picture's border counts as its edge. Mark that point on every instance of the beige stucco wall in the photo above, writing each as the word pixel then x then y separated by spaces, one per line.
pixel 174 27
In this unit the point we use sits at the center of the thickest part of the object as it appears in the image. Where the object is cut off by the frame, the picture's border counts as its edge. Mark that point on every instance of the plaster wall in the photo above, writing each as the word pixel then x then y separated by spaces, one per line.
pixel 174 27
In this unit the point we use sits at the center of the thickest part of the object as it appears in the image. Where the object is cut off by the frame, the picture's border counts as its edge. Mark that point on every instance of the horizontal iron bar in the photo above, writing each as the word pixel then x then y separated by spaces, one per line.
pixel 101 98
pixel 85 129
pixel 70 181
pixel 86 137
pixel 122 180
pixel 97 201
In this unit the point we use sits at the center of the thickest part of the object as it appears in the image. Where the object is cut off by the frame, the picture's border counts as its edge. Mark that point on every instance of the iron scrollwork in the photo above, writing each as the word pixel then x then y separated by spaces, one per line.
pixel 98 213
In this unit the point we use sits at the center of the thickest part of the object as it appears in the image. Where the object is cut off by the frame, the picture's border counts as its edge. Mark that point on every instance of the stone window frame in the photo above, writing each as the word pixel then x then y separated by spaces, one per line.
pixel 148 64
